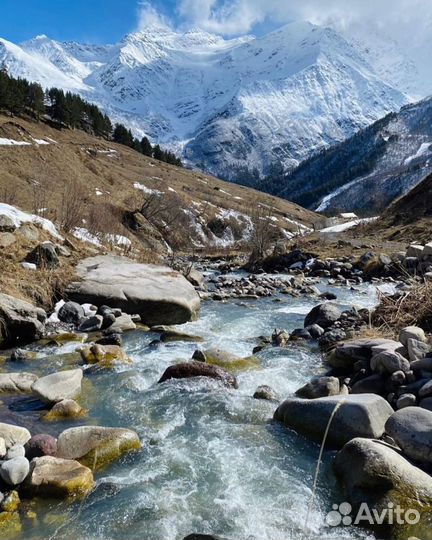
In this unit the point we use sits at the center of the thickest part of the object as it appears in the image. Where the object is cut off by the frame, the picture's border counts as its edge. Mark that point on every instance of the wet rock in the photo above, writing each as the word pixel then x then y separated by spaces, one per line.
pixel 13 434
pixel 389 362
pixel 173 335
pixel 424 364
pixel 398 378
pixel 195 278
pixel 14 471
pixel 356 416
pixel 21 322
pixel 300 334
pixel 111 339
pixel 320 387
pixel 11 502
pixel 225 360
pixel 280 338
pixel 58 386
pixel 426 403
pixel 323 315
pixel 96 445
pixel 20 355
pixel 411 428
pixel 373 473
pixel 265 392
pixel 53 477
pixel 91 324
pixel 199 369
pixel 103 354
pixel 197 536
pixel 412 332
pixel 16 383
pixel 406 400
pixel 67 408
pixel 44 256
pixel 158 294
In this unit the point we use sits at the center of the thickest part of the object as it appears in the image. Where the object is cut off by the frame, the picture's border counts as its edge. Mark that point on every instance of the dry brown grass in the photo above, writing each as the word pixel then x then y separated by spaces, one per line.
pixel 413 307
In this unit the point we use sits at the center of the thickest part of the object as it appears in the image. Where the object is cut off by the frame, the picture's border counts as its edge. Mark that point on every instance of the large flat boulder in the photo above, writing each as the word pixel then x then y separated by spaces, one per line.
pixel 59 386
pixel 158 294
pixel 20 321
pixel 375 474
pixel 362 415
pixel 16 383
pixel 189 370
pixel 411 428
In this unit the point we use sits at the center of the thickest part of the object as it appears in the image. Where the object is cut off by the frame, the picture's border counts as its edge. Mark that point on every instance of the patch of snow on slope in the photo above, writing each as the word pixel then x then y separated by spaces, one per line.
pixel 85 236
pixel 19 217
pixel 145 189
pixel 345 226
pixel 423 150
pixel 11 142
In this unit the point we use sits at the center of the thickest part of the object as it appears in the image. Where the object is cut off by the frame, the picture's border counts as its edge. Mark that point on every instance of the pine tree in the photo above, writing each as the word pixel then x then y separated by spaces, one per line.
pixel 146 147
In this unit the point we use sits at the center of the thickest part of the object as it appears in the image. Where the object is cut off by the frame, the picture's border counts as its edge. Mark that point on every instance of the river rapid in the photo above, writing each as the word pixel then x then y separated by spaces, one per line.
pixel 212 459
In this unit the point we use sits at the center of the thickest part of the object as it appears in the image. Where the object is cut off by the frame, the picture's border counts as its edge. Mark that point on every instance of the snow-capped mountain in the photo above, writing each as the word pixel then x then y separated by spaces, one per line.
pixel 368 171
pixel 245 102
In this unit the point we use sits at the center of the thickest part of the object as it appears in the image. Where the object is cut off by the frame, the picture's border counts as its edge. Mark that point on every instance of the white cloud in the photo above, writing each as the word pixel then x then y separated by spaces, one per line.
pixel 148 15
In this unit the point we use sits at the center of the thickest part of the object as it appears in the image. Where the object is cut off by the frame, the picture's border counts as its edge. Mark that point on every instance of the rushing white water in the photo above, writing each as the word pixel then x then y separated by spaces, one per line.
pixel 212 460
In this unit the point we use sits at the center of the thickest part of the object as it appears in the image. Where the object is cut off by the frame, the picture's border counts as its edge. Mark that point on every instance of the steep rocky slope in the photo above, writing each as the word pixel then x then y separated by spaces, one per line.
pixel 368 171
pixel 247 102
pixel 105 192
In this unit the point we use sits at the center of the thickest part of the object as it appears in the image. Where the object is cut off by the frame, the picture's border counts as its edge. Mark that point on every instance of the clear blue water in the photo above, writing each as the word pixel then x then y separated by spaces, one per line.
pixel 212 460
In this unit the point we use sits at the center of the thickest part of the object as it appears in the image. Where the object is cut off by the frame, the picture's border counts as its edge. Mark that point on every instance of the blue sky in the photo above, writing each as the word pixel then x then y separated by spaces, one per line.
pixel 93 21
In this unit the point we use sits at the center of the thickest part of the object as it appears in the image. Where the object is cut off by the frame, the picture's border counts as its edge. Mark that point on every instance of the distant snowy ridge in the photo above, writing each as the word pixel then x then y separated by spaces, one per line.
pixel 245 102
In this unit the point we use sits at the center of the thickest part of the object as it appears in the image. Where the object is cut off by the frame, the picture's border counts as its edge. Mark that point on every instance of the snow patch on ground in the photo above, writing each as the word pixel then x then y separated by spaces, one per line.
pixel 423 150
pixel 345 226
pixel 12 142
pixel 145 189
pixel 19 217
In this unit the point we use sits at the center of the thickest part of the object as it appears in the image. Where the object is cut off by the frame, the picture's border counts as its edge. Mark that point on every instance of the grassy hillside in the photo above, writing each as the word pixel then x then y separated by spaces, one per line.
pixel 77 180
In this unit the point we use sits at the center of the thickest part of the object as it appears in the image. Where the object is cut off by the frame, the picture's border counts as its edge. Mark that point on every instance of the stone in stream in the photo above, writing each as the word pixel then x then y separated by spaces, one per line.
pixel 71 313
pixel 266 393
pixel 375 474
pixel 103 354
pixel 13 434
pixel 320 387
pixel 96 446
pixel 67 408
pixel 17 450
pixel 53 477
pixel 406 400
pixel 14 471
pixel 58 386
pixel 16 383
pixel 411 428
pixel 323 315
pixel 426 390
pixel 122 323
pixel 362 415
pixel 158 294
pixel 225 360
pixel 21 321
pixel 199 369
pixel 40 445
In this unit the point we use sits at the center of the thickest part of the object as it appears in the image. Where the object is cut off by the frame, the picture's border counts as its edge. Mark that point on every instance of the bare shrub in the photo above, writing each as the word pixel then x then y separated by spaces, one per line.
pixel 73 206
pixel 264 232
pixel 40 198
pixel 8 195
pixel 104 221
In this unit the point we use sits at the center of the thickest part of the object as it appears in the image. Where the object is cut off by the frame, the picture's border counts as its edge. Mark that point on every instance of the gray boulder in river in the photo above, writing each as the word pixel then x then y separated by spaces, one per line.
pixel 375 474
pixel 158 294
pixel 362 415
pixel 411 428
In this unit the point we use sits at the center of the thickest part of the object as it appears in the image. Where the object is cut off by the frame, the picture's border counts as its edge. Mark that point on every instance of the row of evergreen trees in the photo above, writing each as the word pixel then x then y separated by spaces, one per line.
pixel 19 96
